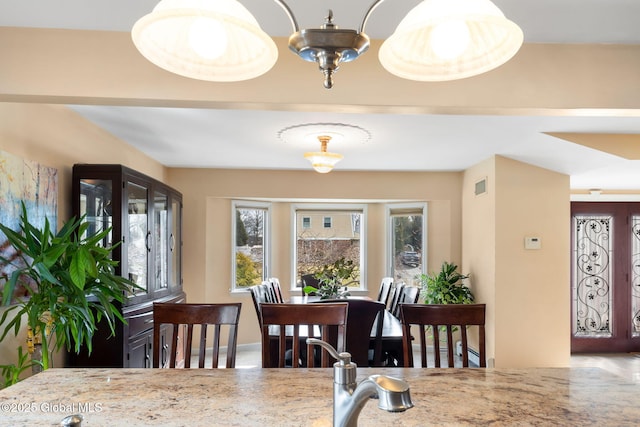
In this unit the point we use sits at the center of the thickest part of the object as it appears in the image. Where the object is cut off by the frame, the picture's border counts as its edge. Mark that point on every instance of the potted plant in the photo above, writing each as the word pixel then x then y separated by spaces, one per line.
pixel 70 285
pixel 334 279
pixel 445 287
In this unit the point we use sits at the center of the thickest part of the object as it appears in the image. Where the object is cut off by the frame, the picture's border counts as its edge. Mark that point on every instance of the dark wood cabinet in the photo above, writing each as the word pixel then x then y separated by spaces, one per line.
pixel 146 217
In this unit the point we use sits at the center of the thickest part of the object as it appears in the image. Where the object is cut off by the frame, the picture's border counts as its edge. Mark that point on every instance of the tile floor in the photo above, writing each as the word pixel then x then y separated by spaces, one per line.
pixel 626 365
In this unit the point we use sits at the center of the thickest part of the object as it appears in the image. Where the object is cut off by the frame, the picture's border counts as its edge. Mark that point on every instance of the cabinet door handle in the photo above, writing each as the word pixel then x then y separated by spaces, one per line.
pixel 172 242
pixel 146 241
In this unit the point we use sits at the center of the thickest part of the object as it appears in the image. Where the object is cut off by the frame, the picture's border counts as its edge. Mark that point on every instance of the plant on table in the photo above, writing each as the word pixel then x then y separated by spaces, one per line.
pixel 334 279
pixel 70 284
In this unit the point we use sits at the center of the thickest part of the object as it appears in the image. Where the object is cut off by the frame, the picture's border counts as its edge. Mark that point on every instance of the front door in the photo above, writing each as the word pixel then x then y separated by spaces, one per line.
pixel 605 276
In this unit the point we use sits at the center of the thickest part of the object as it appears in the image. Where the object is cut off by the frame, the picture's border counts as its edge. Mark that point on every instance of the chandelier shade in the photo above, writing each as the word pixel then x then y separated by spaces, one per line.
pixel 443 40
pixel 206 40
pixel 221 41
pixel 323 161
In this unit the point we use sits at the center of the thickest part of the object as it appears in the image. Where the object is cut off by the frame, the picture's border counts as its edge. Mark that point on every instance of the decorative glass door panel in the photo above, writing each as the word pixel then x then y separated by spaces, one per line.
pixel 138 235
pixel 635 276
pixel 161 239
pixel 605 277
pixel 592 279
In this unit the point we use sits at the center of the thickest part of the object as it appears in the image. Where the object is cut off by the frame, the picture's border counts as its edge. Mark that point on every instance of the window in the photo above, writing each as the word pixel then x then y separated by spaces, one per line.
pixel 407 242
pixel 250 225
pixel 337 233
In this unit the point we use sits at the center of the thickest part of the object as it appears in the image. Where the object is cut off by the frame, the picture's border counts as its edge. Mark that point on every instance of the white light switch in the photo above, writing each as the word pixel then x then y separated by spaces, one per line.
pixel 532 243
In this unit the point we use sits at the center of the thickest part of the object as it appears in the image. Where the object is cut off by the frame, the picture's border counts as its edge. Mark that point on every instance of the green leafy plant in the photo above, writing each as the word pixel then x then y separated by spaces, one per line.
pixel 11 373
pixel 445 287
pixel 334 279
pixel 70 282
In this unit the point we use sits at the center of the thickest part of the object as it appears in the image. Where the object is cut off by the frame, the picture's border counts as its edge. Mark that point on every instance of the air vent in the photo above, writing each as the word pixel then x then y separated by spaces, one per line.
pixel 481 186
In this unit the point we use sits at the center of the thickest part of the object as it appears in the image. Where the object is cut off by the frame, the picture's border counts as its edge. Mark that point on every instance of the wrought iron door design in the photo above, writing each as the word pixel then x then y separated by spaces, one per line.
pixel 605 277
pixel 592 278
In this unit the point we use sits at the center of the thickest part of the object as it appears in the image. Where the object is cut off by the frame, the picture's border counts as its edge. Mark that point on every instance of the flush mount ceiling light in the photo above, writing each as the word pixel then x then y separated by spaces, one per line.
pixel 310 133
pixel 221 41
pixel 323 161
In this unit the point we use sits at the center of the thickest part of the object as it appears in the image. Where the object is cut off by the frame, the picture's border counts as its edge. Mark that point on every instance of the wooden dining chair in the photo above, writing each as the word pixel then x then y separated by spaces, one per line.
pixel 407 295
pixel 438 318
pixel 183 318
pixel 285 328
pixel 365 320
pixel 385 289
pixel 394 296
pixel 274 282
pixel 261 294
pixel 364 332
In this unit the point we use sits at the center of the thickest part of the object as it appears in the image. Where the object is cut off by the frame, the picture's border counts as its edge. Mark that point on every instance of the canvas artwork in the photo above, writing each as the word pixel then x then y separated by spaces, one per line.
pixel 34 184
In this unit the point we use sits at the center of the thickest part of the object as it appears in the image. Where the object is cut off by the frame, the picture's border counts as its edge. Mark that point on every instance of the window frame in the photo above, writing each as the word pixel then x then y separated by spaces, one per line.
pixel 393 209
pixel 266 240
pixel 325 207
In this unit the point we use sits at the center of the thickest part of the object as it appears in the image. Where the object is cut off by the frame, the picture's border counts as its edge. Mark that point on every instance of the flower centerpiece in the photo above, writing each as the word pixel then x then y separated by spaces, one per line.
pixel 334 279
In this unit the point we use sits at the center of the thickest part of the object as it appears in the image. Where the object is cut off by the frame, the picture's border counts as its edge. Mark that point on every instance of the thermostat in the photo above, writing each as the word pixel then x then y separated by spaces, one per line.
pixel 532 243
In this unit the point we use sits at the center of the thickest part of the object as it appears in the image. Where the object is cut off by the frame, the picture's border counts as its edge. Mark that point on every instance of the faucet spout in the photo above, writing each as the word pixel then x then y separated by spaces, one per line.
pixel 392 393
pixel 349 397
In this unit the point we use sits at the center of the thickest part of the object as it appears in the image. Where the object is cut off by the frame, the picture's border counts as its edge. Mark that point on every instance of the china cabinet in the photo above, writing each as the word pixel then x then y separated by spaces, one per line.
pixel 145 216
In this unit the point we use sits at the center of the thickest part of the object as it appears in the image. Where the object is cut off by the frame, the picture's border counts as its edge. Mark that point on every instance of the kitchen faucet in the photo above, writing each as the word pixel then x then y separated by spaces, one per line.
pixel 349 397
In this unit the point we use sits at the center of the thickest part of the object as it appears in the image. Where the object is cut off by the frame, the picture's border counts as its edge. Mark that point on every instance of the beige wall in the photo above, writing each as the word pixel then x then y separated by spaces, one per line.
pixel 57 137
pixel 526 291
pixel 207 215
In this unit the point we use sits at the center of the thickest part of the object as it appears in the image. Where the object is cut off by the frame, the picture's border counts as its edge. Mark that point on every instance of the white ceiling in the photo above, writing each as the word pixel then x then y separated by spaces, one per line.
pixel 221 138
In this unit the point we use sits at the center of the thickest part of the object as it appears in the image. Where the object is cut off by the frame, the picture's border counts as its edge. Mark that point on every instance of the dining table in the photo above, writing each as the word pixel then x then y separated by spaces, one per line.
pixel 391 329
pixel 304 397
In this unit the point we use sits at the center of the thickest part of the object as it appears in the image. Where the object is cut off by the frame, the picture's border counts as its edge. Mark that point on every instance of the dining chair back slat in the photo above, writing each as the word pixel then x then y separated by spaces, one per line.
pixel 385 290
pixel 264 293
pixel 274 282
pixel 431 319
pixel 394 297
pixel 183 318
pixel 288 324
pixel 408 295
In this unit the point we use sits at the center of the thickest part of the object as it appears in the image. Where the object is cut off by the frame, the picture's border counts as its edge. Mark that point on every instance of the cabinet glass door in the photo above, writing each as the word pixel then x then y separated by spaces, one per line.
pixel 138 235
pixel 175 244
pixel 161 239
pixel 96 206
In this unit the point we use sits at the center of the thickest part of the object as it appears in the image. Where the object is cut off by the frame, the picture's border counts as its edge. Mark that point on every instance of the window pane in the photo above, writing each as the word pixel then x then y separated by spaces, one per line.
pixel 406 241
pixel 331 235
pixel 249 248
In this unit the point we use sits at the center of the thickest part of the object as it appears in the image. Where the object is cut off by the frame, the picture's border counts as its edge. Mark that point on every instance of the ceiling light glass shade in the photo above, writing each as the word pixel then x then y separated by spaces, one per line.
pixel 234 47
pixel 478 35
pixel 322 161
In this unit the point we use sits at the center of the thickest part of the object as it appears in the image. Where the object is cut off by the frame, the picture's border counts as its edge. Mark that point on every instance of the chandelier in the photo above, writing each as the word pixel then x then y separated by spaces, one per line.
pixel 221 41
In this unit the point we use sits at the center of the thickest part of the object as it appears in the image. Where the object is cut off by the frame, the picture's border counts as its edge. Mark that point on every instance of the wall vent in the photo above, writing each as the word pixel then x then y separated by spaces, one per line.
pixel 481 187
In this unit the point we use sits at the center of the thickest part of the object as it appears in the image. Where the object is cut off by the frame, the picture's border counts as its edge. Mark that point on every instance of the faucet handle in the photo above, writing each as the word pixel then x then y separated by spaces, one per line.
pixel 344 358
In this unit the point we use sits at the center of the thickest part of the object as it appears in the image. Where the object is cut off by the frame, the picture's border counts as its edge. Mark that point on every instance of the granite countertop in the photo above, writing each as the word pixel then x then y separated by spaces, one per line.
pixel 303 397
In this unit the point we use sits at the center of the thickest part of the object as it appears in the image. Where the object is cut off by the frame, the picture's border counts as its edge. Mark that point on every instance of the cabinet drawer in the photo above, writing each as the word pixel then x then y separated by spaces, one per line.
pixel 140 322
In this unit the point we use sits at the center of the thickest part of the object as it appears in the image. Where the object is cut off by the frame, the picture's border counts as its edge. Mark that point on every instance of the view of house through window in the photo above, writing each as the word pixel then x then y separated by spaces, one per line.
pixel 324 236
pixel 407 242
pixel 250 245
